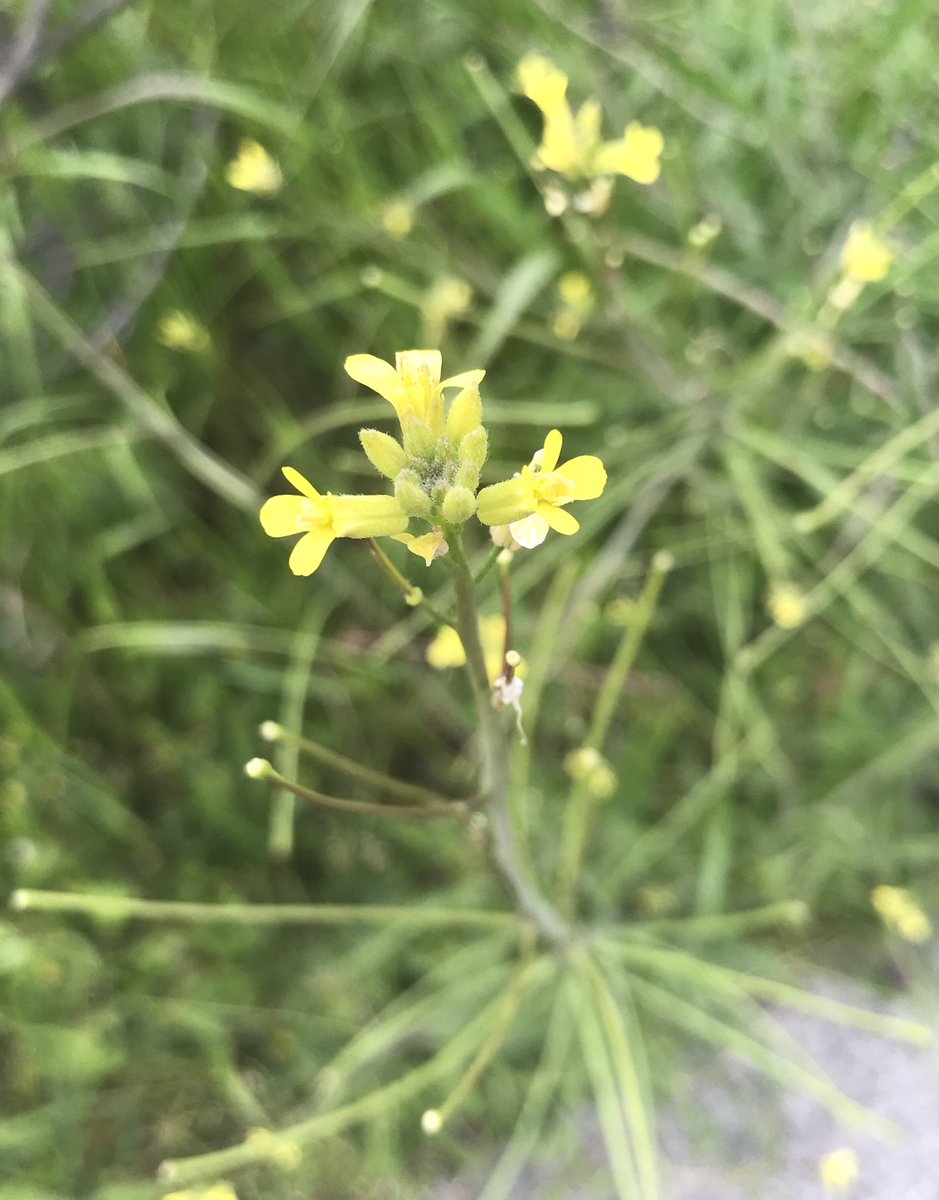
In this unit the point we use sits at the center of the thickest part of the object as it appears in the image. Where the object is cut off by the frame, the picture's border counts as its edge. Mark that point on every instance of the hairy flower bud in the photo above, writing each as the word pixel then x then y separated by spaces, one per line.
pixel 466 413
pixel 467 477
pixel 459 504
pixel 503 503
pixel 474 447
pixel 420 441
pixel 383 452
pixel 409 494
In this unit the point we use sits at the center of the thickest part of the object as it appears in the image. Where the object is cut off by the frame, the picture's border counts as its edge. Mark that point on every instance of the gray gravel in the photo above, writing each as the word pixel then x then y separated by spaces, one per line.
pixel 736 1137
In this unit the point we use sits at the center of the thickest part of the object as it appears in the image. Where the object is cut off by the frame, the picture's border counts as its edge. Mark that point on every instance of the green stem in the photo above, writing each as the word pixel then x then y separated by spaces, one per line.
pixel 494 753
pixel 413 595
pixel 488 563
pixel 124 907
pixel 582 803
pixel 273 732
pixel 457 808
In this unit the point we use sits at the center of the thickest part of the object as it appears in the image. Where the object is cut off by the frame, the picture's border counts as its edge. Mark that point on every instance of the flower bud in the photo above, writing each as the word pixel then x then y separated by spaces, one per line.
pixel 474 447
pixel 459 504
pixel 409 494
pixel 383 452
pixel 467 477
pixel 420 441
pixel 466 414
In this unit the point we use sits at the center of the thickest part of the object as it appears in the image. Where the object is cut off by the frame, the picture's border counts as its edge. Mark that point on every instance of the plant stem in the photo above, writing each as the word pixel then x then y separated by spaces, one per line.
pixel 494 754
pixel 123 907
pixel 332 758
pixel 413 595
pixel 456 808
pixel 581 804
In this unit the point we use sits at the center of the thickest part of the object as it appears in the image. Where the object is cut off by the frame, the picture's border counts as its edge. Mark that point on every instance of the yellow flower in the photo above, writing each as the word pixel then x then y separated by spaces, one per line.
pixel 900 912
pixel 397 218
pixel 179 331
pixel 322 519
pixel 577 300
pixel 446 650
pixel 533 501
pixel 786 606
pixel 253 170
pixel 413 385
pixel 570 143
pixel 865 257
pixel 218 1191
pixel 428 546
pixel 839 1170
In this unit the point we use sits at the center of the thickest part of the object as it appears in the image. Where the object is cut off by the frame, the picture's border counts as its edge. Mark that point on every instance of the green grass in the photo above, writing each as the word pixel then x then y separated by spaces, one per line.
pixel 148 626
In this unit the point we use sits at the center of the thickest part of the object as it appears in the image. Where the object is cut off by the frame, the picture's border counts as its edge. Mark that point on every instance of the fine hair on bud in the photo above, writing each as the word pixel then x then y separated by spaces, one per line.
pixel 419 439
pixel 467 477
pixel 466 413
pixel 383 452
pixel 410 495
pixel 474 448
pixel 459 504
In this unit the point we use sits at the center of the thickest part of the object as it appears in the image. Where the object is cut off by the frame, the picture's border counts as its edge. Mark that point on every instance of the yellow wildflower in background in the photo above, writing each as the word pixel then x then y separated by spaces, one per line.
pixel 446 649
pixel 253 170
pixel 786 606
pixel 576 295
pixel 445 300
pixel 218 1191
pixel 177 330
pixel 533 501
pixel 588 766
pixel 412 386
pixel 865 256
pixel 571 144
pixel 397 218
pixel 839 1170
pixel 900 912
pixel 322 519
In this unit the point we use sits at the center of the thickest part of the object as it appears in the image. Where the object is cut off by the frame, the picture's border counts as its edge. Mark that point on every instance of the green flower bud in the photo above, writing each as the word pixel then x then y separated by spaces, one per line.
pixel 410 495
pixel 459 504
pixel 467 477
pixel 383 452
pixel 420 441
pixel 466 412
pixel 474 447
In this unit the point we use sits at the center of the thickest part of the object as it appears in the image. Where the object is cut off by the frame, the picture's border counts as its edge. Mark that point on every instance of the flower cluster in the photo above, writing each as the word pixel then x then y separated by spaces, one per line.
pixel 435 470
pixel 571 145
pixel 900 912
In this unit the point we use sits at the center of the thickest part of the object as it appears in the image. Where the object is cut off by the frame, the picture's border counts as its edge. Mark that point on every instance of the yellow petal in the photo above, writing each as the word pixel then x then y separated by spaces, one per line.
pixel 587 125
pixel 300 483
pixel 530 531
pixel 559 150
pixel 308 553
pixel 636 155
pixel 417 366
pixel 376 374
pixel 541 81
pixel 586 472
pixel 866 257
pixel 428 546
pixel 465 379
pixel 279 515
pixel 558 518
pixel 549 456
pixel 446 650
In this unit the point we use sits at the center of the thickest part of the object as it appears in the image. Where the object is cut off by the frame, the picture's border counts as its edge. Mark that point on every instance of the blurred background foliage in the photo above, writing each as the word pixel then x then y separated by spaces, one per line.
pixel 147 626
